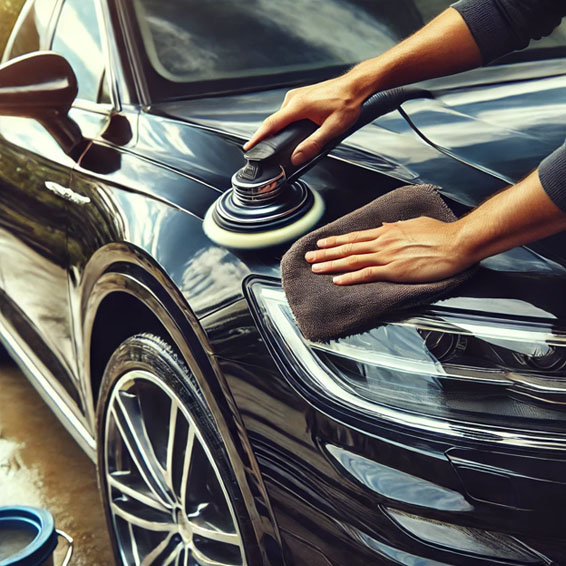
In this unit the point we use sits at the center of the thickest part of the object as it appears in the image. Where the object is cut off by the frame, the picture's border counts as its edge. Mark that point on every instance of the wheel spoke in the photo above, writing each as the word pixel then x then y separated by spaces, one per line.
pixel 116 481
pixel 158 522
pixel 171 443
pixel 149 560
pixel 132 432
pixel 215 534
pixel 174 557
pixel 134 545
pixel 187 465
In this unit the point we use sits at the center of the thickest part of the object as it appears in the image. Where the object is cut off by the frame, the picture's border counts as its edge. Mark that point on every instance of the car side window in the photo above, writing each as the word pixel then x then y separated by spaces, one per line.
pixel 32 29
pixel 77 38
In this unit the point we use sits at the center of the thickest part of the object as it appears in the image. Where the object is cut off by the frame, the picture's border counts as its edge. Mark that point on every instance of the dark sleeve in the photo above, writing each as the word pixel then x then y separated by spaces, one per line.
pixel 501 26
pixel 552 175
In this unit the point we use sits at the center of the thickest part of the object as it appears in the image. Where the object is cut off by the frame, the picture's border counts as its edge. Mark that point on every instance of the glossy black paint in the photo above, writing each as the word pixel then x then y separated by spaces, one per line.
pixel 33 220
pixel 122 251
pixel 345 478
pixel 36 83
pixel 458 482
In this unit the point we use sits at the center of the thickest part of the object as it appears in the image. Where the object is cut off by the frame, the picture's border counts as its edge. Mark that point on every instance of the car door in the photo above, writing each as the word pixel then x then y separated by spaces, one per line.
pixel 33 170
pixel 35 200
pixel 30 34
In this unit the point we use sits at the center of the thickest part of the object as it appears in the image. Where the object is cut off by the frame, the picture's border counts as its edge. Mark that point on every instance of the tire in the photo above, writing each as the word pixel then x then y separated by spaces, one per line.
pixel 168 488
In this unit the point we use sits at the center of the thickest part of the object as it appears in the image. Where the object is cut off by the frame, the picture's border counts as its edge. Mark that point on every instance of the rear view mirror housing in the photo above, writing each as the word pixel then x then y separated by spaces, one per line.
pixel 42 86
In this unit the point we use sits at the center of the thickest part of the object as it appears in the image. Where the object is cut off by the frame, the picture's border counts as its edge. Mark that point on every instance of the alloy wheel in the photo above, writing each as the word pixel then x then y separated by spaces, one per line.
pixel 166 497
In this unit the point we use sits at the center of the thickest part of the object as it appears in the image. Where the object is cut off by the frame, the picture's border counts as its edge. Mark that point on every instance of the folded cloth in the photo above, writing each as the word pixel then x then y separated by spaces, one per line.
pixel 323 310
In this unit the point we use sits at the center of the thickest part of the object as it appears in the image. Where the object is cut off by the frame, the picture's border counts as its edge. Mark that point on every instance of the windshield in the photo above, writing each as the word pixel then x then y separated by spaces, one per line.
pixel 195 47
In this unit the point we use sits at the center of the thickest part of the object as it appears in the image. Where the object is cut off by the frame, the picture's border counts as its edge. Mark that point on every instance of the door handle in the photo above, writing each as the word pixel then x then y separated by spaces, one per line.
pixel 66 193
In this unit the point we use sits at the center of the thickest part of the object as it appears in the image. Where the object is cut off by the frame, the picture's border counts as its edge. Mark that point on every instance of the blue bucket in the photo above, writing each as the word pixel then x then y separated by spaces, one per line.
pixel 28 537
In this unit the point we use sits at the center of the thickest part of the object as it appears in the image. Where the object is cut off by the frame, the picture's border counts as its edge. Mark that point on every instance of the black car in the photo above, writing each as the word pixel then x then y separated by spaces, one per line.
pixel 222 436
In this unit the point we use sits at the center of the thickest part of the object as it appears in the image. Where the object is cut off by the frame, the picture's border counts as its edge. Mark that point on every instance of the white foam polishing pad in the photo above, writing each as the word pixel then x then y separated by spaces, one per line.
pixel 257 240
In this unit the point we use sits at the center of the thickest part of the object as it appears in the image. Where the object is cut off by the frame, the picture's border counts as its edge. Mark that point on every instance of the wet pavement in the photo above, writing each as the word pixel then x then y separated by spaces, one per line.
pixel 41 465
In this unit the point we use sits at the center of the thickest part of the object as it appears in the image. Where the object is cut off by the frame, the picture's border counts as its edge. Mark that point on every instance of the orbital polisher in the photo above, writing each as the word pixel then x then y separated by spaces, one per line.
pixel 268 204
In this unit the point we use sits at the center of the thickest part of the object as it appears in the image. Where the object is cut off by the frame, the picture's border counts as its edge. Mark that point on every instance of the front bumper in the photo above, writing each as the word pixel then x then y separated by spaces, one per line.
pixel 347 489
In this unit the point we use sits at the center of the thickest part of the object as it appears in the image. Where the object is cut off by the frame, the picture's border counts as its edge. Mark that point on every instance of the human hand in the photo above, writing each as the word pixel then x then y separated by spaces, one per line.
pixel 333 105
pixel 418 250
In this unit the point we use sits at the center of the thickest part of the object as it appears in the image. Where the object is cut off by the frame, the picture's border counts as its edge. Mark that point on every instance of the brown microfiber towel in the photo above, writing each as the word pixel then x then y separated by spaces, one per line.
pixel 323 310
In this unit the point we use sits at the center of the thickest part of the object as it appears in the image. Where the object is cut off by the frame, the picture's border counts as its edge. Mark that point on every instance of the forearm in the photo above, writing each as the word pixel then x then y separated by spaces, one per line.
pixel 516 216
pixel 473 33
pixel 443 47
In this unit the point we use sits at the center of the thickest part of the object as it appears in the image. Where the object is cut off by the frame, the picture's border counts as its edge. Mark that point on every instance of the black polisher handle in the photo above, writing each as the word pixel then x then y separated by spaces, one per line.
pixel 276 150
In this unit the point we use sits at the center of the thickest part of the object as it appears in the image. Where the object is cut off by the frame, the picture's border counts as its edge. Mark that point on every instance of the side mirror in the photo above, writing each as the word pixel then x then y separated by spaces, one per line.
pixel 42 86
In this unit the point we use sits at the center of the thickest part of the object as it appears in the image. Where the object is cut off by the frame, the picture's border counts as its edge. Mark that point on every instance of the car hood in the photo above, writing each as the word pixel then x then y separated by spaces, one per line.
pixel 421 143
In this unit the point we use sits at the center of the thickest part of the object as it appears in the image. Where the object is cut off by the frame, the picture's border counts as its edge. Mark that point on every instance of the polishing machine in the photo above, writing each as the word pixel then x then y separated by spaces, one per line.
pixel 268 204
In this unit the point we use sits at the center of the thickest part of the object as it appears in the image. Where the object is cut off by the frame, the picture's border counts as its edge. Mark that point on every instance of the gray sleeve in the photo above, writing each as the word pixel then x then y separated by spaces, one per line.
pixel 501 26
pixel 552 175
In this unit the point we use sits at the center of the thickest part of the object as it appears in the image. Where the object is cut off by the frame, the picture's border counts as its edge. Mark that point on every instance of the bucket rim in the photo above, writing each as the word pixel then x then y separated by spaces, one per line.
pixel 44 542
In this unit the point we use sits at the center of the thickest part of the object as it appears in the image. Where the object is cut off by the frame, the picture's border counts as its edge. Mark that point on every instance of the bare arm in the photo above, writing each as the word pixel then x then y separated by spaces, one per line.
pixel 423 249
pixel 442 47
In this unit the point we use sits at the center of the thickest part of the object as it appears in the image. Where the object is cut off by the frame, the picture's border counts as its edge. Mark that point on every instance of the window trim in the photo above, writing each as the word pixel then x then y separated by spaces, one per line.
pixel 103 108
pixel 109 73
pixel 15 30
pixel 24 12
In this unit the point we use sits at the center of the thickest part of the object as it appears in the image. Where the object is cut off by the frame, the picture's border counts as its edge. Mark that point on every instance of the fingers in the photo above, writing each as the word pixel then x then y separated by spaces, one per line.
pixel 351 238
pixel 366 275
pixel 271 126
pixel 309 147
pixel 349 263
pixel 316 142
pixel 339 252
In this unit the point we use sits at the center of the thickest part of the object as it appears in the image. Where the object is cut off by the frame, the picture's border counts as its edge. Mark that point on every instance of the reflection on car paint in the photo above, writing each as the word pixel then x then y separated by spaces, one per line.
pixel 396 485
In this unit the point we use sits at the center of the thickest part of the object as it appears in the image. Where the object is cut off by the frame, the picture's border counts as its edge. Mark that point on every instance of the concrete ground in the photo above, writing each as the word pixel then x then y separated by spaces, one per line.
pixel 41 465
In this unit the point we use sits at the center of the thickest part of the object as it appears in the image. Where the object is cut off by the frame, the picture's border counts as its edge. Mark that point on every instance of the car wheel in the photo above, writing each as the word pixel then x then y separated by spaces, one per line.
pixel 168 488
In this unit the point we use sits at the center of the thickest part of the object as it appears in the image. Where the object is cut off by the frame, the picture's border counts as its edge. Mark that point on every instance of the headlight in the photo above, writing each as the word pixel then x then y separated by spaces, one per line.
pixel 440 371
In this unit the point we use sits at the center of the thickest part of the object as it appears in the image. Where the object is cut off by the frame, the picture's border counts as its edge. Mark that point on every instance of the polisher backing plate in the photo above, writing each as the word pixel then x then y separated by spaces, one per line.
pixel 268 238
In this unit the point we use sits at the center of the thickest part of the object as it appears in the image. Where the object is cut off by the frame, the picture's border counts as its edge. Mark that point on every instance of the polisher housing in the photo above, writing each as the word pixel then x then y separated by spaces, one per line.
pixel 264 207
